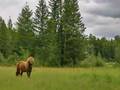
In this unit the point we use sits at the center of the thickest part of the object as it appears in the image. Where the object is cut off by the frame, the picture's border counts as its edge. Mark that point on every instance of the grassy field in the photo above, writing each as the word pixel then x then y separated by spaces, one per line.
pixel 61 79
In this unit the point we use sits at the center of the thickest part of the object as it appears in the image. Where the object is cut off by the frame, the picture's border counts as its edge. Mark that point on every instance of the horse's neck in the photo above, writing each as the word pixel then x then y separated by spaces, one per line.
pixel 29 58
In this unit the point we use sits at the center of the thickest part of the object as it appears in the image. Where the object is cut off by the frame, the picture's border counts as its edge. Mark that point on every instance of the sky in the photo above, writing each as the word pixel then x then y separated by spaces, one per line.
pixel 101 17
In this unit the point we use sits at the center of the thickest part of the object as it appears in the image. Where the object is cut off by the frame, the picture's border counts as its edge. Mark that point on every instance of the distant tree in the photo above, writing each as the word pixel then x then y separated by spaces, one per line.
pixel 117 38
pixel 117 48
pixel 91 44
pixel 104 47
pixel 117 53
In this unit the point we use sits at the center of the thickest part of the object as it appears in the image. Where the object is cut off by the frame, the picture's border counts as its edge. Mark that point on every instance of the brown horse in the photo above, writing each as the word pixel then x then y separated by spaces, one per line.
pixel 25 66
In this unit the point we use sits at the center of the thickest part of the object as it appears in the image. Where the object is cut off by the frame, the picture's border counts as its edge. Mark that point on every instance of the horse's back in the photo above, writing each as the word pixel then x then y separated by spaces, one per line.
pixel 22 65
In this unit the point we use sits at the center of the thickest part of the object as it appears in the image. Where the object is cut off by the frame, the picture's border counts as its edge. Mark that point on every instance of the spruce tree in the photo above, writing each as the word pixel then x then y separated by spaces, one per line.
pixel 41 17
pixel 73 33
pixel 53 29
pixel 3 38
pixel 56 13
pixel 10 25
pixel 25 29
pixel 40 27
pixel 10 34
pixel 12 38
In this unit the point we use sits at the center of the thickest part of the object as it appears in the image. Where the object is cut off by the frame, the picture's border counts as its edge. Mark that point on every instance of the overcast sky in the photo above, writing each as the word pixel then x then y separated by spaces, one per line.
pixel 101 17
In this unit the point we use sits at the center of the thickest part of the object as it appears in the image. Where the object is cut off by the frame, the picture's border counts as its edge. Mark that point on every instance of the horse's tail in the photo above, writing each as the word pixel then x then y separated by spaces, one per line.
pixel 17 69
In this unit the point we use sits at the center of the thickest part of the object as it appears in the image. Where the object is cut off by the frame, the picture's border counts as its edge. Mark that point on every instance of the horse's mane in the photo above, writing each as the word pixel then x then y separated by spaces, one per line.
pixel 30 59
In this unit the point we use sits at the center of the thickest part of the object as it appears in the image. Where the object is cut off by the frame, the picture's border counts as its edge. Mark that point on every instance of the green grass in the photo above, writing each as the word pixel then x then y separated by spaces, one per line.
pixel 61 79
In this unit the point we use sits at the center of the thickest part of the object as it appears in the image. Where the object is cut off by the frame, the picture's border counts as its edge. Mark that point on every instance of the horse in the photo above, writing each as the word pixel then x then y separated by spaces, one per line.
pixel 25 66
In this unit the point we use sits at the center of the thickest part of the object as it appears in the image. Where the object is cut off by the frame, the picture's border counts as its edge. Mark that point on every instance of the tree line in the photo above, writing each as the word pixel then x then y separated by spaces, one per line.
pixel 54 34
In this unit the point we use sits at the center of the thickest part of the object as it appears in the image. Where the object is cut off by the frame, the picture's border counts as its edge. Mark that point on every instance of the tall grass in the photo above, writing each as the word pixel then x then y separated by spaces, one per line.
pixel 61 79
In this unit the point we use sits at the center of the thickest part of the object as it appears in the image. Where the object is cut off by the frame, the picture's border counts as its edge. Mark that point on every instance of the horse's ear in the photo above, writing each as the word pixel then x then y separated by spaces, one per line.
pixel 31 55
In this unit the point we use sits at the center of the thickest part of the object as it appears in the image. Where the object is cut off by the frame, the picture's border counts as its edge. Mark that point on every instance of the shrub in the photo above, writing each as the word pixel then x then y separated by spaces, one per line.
pixel 93 61
pixel 2 58
pixel 12 59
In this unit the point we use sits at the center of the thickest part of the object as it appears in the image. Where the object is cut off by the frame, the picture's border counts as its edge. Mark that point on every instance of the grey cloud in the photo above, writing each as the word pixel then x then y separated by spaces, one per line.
pixel 108 8
pixel 109 30
pixel 93 20
pixel 101 17
pixel 107 1
pixel 12 8
pixel 6 3
pixel 107 12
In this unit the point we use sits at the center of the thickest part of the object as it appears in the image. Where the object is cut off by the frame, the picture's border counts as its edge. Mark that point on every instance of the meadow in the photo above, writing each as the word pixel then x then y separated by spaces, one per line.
pixel 61 79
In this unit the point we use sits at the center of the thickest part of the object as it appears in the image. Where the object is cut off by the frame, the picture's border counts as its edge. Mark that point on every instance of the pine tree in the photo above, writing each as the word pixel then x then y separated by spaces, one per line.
pixel 40 23
pixel 55 9
pixel 56 15
pixel 10 34
pixel 3 38
pixel 41 17
pixel 61 33
pixel 73 29
pixel 25 29
pixel 53 29
pixel 10 25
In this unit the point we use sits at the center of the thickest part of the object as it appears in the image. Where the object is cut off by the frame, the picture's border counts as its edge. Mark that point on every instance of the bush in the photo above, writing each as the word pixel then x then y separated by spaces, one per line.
pixel 12 59
pixel 93 61
pixel 2 58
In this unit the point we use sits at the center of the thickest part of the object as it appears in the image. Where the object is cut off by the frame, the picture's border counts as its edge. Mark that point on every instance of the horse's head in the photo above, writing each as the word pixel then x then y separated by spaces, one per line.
pixel 30 60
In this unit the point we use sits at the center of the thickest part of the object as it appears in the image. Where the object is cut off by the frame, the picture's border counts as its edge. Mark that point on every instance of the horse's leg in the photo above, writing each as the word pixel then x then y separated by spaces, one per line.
pixel 21 73
pixel 29 71
pixel 28 74
pixel 17 71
